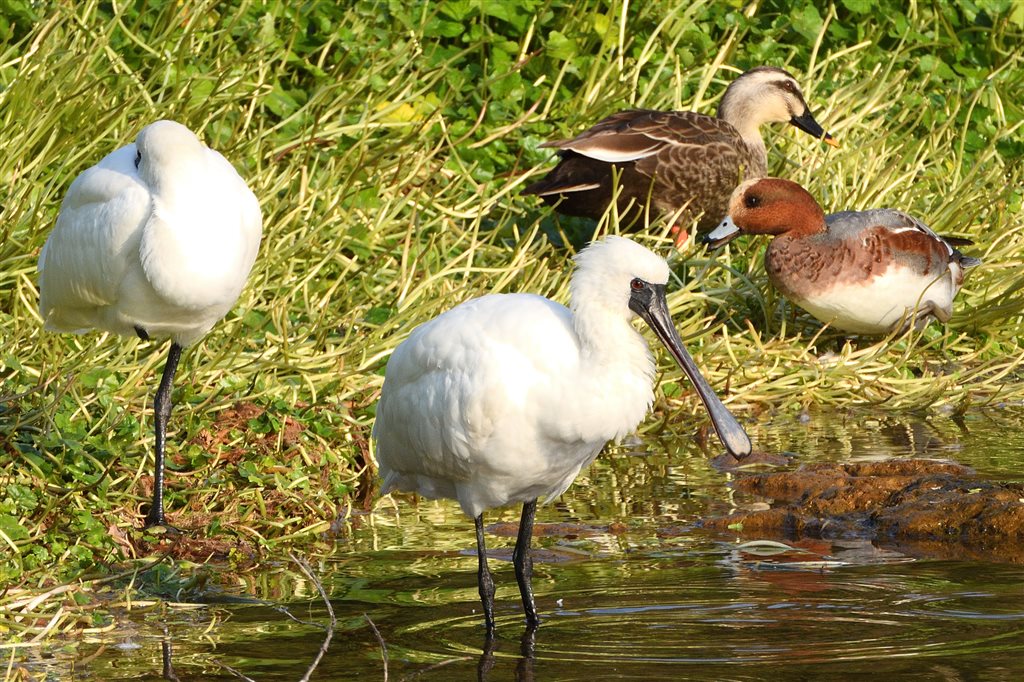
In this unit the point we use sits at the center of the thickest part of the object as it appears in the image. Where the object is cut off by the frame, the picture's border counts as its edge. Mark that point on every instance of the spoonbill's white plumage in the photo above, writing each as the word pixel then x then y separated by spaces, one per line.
pixel 157 239
pixel 504 398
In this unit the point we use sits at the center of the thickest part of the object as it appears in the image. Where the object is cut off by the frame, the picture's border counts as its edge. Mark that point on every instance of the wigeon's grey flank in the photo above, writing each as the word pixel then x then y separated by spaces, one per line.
pixel 864 272
pixel 669 161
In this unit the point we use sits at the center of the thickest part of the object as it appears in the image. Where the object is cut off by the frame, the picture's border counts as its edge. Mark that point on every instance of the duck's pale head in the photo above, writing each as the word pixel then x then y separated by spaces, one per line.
pixel 769 206
pixel 767 94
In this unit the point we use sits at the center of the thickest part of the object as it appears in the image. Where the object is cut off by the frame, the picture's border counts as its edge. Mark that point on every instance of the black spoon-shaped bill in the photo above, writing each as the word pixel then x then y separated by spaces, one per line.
pixel 648 301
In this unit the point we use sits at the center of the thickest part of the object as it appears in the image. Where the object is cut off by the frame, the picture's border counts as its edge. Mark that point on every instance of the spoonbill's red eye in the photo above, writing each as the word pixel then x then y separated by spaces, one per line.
pixel 637 284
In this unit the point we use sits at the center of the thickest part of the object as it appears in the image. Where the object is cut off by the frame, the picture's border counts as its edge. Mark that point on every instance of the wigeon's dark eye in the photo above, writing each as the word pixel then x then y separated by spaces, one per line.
pixel 138 157
pixel 637 284
pixel 751 201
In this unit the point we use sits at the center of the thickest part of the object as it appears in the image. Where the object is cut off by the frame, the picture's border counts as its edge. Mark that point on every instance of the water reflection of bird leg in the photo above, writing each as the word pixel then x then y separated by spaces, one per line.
pixel 165 645
pixel 486 662
pixel 523 562
pixel 527 651
pixel 484 580
pixel 524 666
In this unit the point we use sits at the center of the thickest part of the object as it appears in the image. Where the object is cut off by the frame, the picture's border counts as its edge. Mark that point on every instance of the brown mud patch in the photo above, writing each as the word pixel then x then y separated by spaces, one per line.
pixel 923 507
pixel 726 462
pixel 183 544
pixel 200 550
pixel 219 436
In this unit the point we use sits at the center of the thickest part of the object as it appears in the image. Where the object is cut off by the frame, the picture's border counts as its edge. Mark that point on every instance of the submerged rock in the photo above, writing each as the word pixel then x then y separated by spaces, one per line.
pixel 937 508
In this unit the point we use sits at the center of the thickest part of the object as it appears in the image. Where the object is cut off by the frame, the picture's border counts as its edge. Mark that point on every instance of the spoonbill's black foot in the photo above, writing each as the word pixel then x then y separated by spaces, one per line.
pixel 527 653
pixel 158 521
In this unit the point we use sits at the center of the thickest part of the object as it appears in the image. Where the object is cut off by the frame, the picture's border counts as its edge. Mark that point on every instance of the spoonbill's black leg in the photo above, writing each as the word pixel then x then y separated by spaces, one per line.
pixel 484 577
pixel 162 411
pixel 523 562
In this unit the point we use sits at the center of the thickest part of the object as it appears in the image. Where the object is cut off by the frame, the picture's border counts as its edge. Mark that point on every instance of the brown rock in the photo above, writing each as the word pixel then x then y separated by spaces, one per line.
pixel 910 502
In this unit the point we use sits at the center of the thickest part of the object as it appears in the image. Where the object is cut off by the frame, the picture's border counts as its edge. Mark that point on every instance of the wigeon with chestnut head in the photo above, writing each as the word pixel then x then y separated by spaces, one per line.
pixel 863 272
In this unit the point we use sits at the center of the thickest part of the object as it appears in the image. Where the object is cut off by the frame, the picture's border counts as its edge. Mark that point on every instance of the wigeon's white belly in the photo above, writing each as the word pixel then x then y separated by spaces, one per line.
pixel 878 305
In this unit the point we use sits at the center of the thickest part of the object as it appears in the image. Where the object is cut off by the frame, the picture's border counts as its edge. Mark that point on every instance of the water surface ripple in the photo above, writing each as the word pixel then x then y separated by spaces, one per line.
pixel 627 586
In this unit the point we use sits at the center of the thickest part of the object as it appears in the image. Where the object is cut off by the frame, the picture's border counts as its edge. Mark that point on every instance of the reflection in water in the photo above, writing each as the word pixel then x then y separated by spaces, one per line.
pixel 629 588
pixel 165 646
pixel 524 666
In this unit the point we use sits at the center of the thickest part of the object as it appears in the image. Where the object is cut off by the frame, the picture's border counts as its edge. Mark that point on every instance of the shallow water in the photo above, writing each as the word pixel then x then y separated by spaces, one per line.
pixel 626 586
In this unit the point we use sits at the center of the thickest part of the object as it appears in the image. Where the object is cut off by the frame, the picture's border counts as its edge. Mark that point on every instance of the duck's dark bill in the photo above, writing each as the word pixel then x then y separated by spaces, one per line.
pixel 806 123
pixel 721 235
pixel 654 312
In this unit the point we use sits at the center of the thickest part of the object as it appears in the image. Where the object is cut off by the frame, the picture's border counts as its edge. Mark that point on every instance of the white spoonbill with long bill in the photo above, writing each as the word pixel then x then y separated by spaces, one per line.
pixel 504 398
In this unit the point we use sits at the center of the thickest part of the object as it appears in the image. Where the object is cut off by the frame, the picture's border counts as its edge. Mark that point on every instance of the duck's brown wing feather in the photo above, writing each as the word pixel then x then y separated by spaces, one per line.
pixel 640 133
pixel 673 158
pixel 581 186
pixel 701 177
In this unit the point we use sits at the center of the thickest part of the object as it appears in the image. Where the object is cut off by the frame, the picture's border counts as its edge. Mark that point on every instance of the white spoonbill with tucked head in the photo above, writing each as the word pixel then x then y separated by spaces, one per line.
pixel 506 397
pixel 157 239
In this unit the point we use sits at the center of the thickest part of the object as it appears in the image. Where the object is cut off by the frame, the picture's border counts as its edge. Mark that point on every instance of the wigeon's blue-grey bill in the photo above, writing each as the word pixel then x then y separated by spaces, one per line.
pixel 721 235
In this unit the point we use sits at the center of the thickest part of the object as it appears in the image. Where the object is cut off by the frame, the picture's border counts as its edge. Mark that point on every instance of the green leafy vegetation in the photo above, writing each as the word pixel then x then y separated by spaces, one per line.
pixel 387 142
